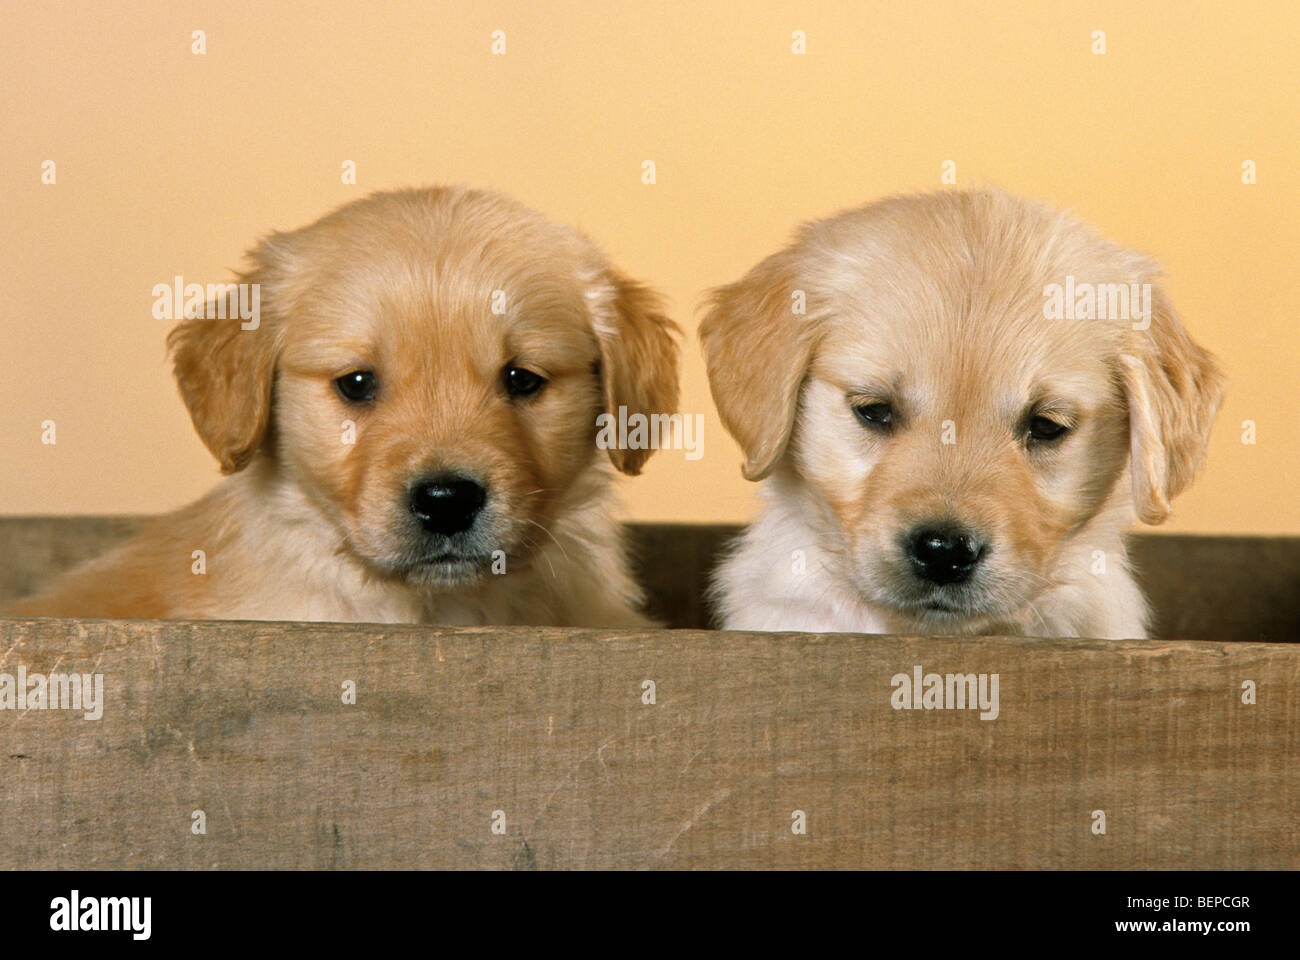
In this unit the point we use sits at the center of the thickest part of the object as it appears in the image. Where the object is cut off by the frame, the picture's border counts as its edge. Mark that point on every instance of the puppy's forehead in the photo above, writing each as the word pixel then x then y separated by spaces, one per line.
pixel 463 279
pixel 422 311
pixel 949 291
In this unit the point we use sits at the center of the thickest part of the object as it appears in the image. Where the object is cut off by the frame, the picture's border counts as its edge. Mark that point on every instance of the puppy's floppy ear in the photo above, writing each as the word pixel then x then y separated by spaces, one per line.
pixel 638 360
pixel 1174 389
pixel 226 373
pixel 757 349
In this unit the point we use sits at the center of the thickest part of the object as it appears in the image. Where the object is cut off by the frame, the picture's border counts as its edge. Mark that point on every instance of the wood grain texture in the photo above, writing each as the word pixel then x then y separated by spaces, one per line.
pixel 245 721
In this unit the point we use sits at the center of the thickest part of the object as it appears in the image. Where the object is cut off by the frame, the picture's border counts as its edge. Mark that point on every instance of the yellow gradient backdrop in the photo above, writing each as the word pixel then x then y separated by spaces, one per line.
pixel 171 163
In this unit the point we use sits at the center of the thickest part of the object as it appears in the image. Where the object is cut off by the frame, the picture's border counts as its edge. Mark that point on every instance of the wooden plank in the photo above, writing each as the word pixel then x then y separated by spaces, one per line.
pixel 1221 588
pixel 34 549
pixel 245 721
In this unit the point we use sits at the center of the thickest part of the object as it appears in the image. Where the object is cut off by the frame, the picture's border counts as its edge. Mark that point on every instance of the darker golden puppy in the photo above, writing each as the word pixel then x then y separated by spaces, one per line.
pixel 410 427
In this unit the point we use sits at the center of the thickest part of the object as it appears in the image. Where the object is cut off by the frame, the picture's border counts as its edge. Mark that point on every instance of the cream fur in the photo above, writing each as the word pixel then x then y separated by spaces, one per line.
pixel 933 306
pixel 275 556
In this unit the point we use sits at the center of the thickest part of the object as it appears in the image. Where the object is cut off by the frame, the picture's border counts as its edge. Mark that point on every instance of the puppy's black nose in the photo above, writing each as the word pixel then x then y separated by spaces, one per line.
pixel 943 554
pixel 447 504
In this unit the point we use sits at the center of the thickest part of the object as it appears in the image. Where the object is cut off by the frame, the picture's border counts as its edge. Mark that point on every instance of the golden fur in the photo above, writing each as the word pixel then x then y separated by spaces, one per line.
pixel 310 527
pixel 932 308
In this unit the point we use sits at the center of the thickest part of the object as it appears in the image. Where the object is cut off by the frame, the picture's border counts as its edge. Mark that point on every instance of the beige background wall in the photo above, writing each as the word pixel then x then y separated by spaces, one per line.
pixel 171 163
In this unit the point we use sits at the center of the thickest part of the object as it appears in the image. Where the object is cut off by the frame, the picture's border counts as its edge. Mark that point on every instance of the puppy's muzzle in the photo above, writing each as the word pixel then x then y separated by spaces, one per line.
pixel 944 554
pixel 448 503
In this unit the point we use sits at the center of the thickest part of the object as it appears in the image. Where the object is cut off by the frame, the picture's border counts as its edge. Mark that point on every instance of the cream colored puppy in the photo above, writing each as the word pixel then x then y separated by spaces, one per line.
pixel 410 429
pixel 957 404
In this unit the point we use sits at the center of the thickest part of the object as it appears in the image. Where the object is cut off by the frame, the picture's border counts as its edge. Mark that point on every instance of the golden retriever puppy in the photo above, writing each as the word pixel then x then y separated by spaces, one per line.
pixel 957 403
pixel 410 429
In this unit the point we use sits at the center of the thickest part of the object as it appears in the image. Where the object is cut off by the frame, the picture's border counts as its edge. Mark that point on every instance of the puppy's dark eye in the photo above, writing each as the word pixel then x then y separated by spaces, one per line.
pixel 877 415
pixel 357 386
pixel 523 383
pixel 1042 430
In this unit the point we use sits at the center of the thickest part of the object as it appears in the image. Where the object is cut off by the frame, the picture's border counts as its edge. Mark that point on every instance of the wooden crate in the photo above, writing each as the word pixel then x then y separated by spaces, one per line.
pixel 547 735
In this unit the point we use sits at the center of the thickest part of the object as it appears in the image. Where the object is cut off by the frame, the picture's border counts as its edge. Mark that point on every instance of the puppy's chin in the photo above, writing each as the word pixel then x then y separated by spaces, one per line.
pixel 441 568
pixel 402 553
pixel 965 610
pixel 446 572
pixel 959 621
